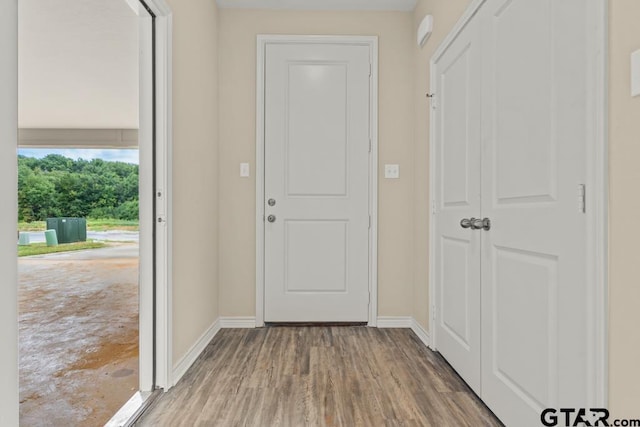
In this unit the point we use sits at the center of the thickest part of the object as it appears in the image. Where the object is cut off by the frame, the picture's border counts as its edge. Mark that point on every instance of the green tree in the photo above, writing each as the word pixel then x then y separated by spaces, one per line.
pixel 37 197
pixel 55 162
pixel 59 186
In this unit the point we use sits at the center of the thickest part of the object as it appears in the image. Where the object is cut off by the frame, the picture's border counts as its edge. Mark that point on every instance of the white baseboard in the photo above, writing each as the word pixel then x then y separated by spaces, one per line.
pixel 239 322
pixel 395 321
pixel 420 332
pixel 194 352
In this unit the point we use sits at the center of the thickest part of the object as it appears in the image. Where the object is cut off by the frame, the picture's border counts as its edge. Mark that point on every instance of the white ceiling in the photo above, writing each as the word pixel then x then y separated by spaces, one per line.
pixel 399 5
pixel 78 64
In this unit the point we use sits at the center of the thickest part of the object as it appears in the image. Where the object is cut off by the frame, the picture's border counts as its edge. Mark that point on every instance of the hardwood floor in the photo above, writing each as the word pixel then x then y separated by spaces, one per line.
pixel 319 376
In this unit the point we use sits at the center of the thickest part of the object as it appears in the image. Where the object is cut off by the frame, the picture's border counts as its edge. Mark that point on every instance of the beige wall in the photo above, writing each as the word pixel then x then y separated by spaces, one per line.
pixel 195 174
pixel 624 205
pixel 445 15
pixel 238 30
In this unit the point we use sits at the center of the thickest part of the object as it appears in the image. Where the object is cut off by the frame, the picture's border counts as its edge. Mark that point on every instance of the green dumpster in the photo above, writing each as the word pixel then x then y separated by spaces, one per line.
pixel 69 230
pixel 51 237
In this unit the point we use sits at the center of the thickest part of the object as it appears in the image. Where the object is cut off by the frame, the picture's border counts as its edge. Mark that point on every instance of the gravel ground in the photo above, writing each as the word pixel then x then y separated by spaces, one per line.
pixel 78 335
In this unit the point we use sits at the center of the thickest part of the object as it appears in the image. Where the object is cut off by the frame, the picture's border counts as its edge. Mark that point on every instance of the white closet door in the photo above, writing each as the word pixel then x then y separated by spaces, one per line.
pixel 533 259
pixel 457 257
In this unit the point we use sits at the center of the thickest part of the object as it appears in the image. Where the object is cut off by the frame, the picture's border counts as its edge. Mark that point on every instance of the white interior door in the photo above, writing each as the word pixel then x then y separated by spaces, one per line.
pixel 457 258
pixel 316 182
pixel 534 288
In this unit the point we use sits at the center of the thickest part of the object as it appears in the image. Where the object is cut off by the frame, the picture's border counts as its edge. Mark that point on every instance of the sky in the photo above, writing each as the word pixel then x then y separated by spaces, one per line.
pixel 114 155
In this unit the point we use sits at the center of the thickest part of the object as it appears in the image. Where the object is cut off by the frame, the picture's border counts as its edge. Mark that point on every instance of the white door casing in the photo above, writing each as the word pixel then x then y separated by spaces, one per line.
pixel 457 192
pixel 9 396
pixel 146 248
pixel 316 145
pixel 154 138
pixel 163 193
pixel 543 127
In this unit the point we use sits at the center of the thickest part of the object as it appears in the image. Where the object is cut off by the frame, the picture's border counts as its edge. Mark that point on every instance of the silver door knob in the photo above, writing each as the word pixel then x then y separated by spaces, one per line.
pixel 480 224
pixel 271 202
pixel 271 218
pixel 476 223
pixel 465 223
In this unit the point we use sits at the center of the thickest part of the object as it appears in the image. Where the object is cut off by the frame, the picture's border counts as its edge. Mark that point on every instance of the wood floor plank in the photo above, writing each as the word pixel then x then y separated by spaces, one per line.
pixel 319 376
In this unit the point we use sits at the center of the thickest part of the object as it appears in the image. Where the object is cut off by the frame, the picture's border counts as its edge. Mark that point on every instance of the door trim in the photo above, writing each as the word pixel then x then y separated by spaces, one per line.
pixel 372 43
pixel 155 136
pixel 597 172
pixel 9 356
pixel 163 221
pixel 597 205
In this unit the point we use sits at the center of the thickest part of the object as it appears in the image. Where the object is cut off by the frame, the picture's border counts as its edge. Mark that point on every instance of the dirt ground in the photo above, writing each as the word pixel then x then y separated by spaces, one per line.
pixel 78 315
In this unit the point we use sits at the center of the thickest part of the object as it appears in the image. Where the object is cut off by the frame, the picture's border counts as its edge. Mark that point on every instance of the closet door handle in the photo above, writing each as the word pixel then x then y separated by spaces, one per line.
pixel 481 224
pixel 476 223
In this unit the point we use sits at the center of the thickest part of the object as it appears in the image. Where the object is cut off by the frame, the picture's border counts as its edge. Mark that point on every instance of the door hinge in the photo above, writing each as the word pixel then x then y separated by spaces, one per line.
pixel 369 221
pixel 370 69
pixel 434 208
pixel 582 191
pixel 369 144
pixel 433 312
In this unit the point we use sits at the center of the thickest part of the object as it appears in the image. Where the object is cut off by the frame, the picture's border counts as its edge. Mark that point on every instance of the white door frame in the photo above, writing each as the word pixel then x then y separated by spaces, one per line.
pixel 372 43
pixel 9 401
pixel 597 193
pixel 156 303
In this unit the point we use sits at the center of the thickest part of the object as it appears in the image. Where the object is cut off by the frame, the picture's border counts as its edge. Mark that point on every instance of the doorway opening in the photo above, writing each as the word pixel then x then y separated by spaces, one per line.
pixel 79 310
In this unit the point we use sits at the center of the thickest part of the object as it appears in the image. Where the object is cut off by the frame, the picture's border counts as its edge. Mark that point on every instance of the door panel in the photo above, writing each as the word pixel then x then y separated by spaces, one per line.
pixel 525 287
pixel 317 173
pixel 533 258
pixel 521 39
pixel 455 295
pixel 457 260
pixel 313 268
pixel 312 147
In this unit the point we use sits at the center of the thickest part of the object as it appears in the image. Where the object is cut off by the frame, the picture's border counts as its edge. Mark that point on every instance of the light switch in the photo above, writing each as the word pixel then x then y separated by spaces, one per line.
pixel 392 171
pixel 244 170
pixel 635 73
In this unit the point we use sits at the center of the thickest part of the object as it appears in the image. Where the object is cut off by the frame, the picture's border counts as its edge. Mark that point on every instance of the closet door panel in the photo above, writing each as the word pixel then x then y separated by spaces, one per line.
pixel 457 256
pixel 533 162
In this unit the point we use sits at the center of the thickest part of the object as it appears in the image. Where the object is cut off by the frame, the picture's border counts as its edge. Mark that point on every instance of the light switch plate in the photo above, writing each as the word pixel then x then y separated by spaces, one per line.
pixel 392 171
pixel 635 73
pixel 244 170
